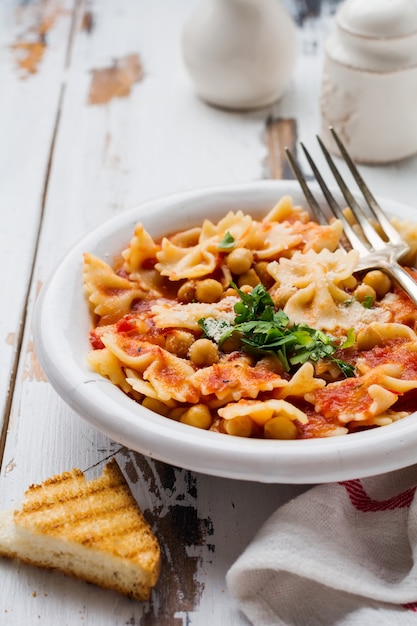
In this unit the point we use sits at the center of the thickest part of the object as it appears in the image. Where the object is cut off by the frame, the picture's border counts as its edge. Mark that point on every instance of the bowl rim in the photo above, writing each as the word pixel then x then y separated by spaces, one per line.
pixel 61 312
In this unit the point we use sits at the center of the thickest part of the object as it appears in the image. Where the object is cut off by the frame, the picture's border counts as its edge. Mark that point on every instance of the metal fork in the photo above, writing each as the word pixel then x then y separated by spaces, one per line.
pixel 374 251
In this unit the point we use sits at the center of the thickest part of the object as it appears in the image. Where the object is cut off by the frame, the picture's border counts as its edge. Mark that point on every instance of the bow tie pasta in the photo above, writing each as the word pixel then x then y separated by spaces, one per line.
pixel 258 328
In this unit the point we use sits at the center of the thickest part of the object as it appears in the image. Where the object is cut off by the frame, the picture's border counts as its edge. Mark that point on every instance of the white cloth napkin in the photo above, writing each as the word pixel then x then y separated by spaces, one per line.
pixel 340 554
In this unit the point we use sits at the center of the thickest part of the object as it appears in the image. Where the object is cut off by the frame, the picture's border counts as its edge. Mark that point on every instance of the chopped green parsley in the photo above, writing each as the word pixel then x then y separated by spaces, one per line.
pixel 227 242
pixel 264 330
pixel 367 302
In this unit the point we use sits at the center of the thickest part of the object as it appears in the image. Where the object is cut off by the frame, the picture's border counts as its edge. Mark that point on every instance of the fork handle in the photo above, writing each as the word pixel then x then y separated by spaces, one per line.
pixel 402 278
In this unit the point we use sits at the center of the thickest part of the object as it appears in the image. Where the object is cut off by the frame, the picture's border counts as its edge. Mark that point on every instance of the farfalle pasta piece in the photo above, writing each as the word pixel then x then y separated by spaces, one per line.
pixel 315 305
pixel 343 401
pixel 237 224
pixel 274 238
pixel 285 210
pixel 171 378
pixel 285 238
pixel 358 399
pixel 130 351
pixel 186 238
pixel 308 289
pixel 110 295
pixel 177 262
pixel 376 400
pixel 392 378
pixel 262 411
pixel 104 362
pixel 141 248
pixel 384 419
pixel 167 374
pixel 235 378
pixel 318 237
pixel 382 399
pixel 302 382
pixel 302 269
pixel 168 315
pixel 140 385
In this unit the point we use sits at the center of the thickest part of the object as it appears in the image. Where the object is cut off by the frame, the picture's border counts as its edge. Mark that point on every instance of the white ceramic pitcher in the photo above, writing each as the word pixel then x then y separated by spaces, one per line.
pixel 240 53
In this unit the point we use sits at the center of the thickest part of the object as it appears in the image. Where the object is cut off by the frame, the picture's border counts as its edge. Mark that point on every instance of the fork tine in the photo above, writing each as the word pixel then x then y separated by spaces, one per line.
pixel 374 239
pixel 312 202
pixel 330 199
pixel 376 210
pixel 351 235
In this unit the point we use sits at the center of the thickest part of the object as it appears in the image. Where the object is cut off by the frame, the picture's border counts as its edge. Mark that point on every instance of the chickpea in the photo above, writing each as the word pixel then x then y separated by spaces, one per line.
pixel 240 426
pixel 230 292
pixel 261 416
pixel 155 405
pixel 178 342
pixel 378 281
pixel 264 276
pixel 248 278
pixel 272 364
pixel 232 343
pixel 209 290
pixel 203 352
pixel 368 337
pixel 142 327
pixel 349 283
pixel 239 261
pixel 186 293
pixel 177 413
pixel 280 427
pixel 245 288
pixel 365 291
pixel 159 341
pixel 198 415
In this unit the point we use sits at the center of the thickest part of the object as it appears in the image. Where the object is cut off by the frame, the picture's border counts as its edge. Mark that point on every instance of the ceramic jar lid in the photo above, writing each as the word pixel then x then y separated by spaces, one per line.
pixel 378 18
pixel 378 35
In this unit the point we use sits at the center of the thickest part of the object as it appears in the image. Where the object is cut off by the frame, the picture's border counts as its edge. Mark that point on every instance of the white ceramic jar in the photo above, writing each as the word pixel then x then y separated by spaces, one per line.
pixel 240 53
pixel 369 83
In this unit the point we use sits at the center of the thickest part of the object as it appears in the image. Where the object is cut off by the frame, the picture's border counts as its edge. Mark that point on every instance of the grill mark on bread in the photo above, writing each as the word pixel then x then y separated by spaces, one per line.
pixel 33 506
pixel 92 515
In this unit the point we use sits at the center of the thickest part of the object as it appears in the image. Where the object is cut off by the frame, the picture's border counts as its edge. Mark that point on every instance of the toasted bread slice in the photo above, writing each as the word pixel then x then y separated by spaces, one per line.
pixel 93 530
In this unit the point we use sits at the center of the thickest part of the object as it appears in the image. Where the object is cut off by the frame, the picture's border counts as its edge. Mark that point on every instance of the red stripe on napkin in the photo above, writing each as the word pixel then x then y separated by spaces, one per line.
pixel 362 502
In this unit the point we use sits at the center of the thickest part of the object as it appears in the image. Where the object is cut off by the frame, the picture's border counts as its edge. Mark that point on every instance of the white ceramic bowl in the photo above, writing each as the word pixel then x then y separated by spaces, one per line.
pixel 61 330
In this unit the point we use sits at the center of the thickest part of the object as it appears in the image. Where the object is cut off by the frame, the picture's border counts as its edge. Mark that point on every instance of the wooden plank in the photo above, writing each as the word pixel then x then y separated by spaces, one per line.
pixel 33 49
pixel 281 134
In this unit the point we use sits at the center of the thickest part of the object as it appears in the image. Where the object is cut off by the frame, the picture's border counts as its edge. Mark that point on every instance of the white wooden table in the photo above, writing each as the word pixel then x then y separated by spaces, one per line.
pixel 97 114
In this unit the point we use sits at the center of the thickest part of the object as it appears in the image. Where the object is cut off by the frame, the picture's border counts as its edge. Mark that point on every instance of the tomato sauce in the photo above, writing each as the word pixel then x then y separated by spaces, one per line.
pixel 348 397
pixel 402 309
pixel 394 351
